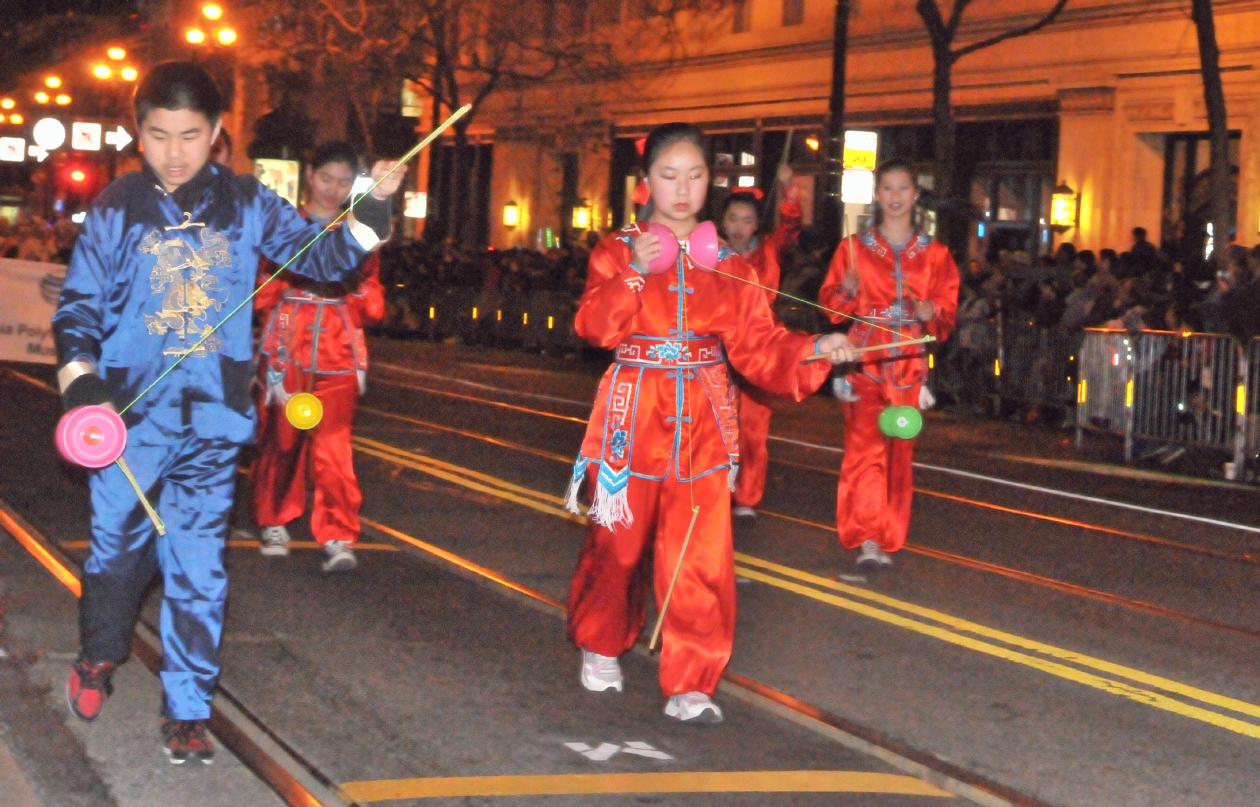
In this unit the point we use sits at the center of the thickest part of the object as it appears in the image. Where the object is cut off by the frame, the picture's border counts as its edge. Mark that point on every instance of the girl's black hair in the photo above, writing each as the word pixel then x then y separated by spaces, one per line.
pixel 337 151
pixel 666 135
pixel 740 198
pixel 888 166
pixel 178 85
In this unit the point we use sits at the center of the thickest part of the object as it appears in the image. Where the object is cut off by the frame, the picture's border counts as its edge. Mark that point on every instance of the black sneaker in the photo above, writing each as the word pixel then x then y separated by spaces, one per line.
pixel 183 740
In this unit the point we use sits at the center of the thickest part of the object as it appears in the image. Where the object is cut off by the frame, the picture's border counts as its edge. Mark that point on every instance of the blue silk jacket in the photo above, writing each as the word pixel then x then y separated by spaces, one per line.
pixel 152 273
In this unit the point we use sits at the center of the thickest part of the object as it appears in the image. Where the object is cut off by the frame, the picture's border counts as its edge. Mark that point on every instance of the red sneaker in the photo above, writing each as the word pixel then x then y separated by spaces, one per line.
pixel 88 687
pixel 186 739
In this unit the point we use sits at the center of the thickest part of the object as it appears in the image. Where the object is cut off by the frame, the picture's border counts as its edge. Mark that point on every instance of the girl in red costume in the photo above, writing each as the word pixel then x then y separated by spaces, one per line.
pixel 663 437
pixel 740 219
pixel 313 342
pixel 899 284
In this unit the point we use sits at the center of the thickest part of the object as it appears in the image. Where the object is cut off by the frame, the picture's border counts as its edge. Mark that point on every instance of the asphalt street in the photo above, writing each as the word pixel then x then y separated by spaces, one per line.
pixel 1079 634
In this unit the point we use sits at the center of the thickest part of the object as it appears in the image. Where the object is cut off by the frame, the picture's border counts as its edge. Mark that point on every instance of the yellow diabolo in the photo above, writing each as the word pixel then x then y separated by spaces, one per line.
pixel 304 411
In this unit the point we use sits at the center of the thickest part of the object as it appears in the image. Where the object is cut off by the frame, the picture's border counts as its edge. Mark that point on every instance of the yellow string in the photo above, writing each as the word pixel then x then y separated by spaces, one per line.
pixel 456 115
pixel 819 306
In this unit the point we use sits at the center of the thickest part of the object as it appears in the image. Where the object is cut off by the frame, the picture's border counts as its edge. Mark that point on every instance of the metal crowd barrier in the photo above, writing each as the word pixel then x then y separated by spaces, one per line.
pixel 1186 388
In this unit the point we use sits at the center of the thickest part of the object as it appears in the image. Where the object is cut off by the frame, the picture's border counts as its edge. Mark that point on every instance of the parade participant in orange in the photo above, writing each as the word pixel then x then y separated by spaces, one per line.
pixel 899 284
pixel 740 219
pixel 662 441
pixel 313 342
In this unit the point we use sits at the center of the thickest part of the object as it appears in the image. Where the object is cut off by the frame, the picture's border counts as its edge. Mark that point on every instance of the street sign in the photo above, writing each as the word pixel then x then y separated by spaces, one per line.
pixel 859 149
pixel 118 138
pixel 85 136
pixel 13 149
pixel 857 186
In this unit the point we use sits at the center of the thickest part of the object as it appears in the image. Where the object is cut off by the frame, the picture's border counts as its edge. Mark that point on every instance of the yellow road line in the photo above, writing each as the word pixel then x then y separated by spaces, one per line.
pixel 959 624
pixel 445 470
pixel 573 784
pixel 463 563
pixel 241 543
pixel 1054 668
pixel 428 424
pixel 507 490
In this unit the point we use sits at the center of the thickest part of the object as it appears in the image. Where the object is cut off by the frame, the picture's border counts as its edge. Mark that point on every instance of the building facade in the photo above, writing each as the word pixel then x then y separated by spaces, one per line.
pixel 1108 99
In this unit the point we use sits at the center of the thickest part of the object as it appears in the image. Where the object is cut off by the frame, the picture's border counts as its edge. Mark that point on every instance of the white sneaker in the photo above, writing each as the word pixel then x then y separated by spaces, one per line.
pixel 693 707
pixel 274 542
pixel 600 673
pixel 340 557
pixel 871 556
pixel 743 512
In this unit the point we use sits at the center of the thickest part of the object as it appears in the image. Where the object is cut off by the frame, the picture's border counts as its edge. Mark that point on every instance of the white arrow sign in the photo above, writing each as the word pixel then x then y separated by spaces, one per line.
pixel 118 138
pixel 85 136
pixel 13 149
pixel 37 152
pixel 606 751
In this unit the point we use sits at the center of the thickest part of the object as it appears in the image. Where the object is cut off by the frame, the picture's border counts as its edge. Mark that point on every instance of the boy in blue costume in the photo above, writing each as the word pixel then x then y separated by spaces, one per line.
pixel 164 255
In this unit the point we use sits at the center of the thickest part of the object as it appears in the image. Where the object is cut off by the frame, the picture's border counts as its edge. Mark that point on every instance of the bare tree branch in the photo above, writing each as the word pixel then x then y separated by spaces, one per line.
pixel 1012 33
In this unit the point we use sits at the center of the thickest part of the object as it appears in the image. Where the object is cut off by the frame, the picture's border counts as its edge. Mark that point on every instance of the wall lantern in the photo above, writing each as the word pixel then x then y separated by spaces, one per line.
pixel 1065 208
pixel 511 214
pixel 582 217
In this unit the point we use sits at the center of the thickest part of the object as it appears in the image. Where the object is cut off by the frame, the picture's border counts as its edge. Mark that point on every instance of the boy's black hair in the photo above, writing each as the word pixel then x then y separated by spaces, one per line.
pixel 178 85
pixel 336 151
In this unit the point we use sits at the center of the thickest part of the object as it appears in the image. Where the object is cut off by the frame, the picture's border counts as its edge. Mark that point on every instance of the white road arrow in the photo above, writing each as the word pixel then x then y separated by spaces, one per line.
pixel 118 138
pixel 38 153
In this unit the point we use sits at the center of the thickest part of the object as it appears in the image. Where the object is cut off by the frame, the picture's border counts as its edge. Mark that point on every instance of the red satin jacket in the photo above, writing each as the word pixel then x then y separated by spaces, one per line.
pixel 318 327
pixel 764 253
pixel 667 406
pixel 890 279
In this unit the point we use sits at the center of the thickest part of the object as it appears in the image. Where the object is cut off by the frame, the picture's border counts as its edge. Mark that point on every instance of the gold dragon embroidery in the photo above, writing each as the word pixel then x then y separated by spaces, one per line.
pixel 182 275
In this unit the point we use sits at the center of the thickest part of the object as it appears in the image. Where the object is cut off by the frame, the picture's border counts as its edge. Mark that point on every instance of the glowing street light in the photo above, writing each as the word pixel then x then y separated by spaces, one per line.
pixel 62 99
pixel 15 118
pixel 41 97
pixel 212 11
pixel 52 82
pixel 195 36
pixel 7 103
pixel 226 36
pixel 103 72
pixel 77 175
pixel 117 54
pixel 1065 208
pixel 128 73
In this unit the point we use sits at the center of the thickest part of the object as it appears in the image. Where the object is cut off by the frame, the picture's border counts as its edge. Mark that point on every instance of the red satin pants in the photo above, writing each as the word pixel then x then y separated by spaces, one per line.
pixel 876 477
pixel 287 455
pixel 754 461
pixel 608 600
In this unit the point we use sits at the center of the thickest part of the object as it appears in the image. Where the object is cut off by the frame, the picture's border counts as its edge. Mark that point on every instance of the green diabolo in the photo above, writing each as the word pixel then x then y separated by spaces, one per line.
pixel 900 422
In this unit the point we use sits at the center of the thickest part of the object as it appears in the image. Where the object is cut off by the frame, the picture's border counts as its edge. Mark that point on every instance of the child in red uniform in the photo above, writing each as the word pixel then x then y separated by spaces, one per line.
pixel 740 220
pixel 663 437
pixel 313 342
pixel 901 284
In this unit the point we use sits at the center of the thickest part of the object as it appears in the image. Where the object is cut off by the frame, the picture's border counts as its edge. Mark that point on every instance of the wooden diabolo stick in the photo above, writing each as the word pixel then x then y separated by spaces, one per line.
pixel 144 500
pixel 922 340
pixel 669 592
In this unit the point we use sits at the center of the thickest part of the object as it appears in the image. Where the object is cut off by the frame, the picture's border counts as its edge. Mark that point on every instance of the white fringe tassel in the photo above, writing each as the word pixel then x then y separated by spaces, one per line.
pixel 610 509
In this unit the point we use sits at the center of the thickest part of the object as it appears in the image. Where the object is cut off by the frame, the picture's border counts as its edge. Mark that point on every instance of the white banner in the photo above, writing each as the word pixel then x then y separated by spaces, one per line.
pixel 28 297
